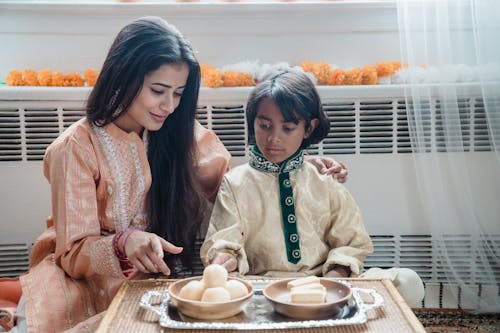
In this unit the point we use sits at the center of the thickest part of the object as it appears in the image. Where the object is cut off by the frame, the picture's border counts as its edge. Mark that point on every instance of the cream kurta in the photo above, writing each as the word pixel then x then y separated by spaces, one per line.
pixel 246 221
pixel 99 179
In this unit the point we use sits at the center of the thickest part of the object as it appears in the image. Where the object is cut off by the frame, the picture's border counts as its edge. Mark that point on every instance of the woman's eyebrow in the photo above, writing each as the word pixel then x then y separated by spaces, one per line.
pixel 167 86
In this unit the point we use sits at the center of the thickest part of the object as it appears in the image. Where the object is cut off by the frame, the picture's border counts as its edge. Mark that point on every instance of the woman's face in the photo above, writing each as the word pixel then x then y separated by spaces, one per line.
pixel 276 138
pixel 159 96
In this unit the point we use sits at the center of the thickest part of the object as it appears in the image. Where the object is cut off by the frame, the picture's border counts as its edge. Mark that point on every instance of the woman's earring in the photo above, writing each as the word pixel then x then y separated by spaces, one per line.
pixel 117 111
pixel 112 100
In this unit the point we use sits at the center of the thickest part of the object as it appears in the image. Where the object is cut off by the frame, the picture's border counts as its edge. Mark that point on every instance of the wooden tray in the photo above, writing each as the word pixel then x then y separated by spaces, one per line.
pixel 125 314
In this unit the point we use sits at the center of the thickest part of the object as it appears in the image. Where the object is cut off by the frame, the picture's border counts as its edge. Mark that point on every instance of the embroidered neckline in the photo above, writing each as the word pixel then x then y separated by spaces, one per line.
pixel 259 161
pixel 109 150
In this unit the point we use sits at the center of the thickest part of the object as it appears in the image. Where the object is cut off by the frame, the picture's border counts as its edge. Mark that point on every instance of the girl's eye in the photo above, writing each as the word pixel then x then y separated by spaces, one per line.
pixel 178 94
pixel 289 129
pixel 157 92
pixel 264 126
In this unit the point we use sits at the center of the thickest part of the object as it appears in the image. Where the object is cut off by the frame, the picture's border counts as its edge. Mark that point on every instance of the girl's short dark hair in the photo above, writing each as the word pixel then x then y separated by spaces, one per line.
pixel 296 97
pixel 175 204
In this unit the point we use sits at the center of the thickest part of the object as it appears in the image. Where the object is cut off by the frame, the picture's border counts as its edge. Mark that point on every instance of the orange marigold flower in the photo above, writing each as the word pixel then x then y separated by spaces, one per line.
pixel 321 71
pixel 58 79
pixel 15 78
pixel 91 76
pixel 353 76
pixel 31 77
pixel 336 78
pixel 73 79
pixel 385 68
pixel 206 69
pixel 307 66
pixel 213 78
pixel 45 77
pixel 369 75
pixel 237 79
pixel 396 65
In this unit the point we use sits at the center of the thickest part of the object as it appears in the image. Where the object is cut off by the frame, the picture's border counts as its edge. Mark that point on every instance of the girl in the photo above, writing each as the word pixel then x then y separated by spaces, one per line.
pixel 277 216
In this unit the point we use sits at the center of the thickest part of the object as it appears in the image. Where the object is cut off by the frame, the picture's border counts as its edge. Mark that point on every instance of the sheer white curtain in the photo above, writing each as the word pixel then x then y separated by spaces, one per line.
pixel 452 50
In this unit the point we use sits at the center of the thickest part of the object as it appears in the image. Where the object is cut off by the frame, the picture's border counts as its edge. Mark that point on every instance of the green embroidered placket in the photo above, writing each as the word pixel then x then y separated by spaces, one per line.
pixel 289 219
pixel 287 204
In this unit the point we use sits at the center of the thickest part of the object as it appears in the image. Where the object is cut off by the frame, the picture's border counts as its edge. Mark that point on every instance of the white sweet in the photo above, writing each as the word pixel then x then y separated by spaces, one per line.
pixel 236 289
pixel 216 294
pixel 303 281
pixel 193 290
pixel 307 296
pixel 214 276
pixel 316 286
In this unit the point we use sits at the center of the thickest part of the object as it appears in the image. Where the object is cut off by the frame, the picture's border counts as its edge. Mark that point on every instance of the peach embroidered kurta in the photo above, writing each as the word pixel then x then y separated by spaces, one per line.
pixel 246 221
pixel 99 179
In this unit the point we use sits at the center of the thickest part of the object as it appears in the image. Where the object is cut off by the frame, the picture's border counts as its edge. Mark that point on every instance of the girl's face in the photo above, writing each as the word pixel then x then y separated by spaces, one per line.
pixel 276 138
pixel 158 98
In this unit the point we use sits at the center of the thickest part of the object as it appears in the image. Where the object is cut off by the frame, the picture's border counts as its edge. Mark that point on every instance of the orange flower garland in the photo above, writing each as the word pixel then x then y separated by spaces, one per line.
pixel 45 77
pixel 353 77
pixel 211 76
pixel 30 78
pixel 336 78
pixel 48 78
pixel 215 78
pixel 369 75
pixel 237 79
pixel 91 76
pixel 73 79
pixel 15 78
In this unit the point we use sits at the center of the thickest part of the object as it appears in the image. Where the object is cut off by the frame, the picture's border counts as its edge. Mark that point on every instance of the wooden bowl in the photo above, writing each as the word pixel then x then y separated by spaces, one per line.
pixel 208 310
pixel 337 296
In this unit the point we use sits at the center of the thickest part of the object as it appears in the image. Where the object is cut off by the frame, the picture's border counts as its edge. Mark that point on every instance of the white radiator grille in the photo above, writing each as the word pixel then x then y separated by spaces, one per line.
pixel 10 135
pixel 375 127
pixel 14 259
pixel 422 253
pixel 342 136
pixel 357 127
pixel 41 127
pixel 228 122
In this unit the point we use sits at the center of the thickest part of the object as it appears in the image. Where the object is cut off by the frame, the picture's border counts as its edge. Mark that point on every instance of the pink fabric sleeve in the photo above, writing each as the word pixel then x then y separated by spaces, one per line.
pixel 212 161
pixel 72 169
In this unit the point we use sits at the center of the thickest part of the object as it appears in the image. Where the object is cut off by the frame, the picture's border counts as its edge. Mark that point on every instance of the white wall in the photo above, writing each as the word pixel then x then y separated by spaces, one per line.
pixel 68 37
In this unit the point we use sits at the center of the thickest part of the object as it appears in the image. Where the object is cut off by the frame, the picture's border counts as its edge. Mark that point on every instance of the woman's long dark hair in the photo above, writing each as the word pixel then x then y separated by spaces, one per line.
pixel 175 204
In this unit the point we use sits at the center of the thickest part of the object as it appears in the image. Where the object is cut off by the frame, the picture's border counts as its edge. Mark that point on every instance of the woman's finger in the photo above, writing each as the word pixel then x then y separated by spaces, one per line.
pixel 137 264
pixel 148 259
pixel 157 258
pixel 169 247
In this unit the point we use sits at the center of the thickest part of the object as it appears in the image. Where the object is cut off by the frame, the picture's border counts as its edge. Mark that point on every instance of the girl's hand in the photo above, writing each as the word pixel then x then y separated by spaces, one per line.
pixel 225 259
pixel 329 166
pixel 145 251
pixel 339 271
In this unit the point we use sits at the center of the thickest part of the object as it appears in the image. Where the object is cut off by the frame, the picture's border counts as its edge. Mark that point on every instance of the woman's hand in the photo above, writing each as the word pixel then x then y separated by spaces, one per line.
pixel 329 166
pixel 145 251
pixel 225 259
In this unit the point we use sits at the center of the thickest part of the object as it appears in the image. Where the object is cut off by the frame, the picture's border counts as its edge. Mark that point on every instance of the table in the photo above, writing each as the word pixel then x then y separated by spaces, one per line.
pixel 125 315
